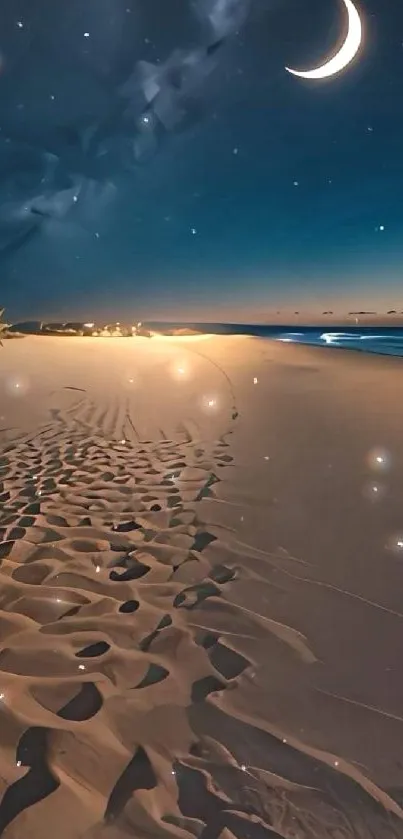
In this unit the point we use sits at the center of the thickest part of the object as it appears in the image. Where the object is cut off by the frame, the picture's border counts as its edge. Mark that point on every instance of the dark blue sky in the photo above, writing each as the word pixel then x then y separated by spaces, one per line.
pixel 270 192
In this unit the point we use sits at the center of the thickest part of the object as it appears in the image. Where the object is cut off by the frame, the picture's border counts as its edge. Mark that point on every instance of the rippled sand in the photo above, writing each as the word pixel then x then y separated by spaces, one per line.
pixel 200 591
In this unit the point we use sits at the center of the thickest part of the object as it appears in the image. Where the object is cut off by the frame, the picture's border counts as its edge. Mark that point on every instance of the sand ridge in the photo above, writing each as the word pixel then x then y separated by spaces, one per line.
pixel 124 665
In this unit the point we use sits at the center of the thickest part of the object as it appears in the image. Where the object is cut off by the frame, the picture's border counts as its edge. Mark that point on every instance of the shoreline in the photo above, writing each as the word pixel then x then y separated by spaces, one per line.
pixel 360 339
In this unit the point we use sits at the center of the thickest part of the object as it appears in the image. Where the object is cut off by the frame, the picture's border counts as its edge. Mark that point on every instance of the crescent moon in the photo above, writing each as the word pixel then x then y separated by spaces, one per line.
pixel 345 55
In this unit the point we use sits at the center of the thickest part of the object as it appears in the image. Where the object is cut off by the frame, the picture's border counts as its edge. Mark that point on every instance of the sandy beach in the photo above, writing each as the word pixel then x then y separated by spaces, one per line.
pixel 201 577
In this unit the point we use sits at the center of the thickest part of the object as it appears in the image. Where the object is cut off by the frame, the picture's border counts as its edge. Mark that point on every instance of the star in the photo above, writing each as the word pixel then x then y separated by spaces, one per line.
pixel 20 24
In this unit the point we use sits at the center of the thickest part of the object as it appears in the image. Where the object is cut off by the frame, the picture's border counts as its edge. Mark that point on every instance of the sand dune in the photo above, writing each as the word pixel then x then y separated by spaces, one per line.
pixel 200 619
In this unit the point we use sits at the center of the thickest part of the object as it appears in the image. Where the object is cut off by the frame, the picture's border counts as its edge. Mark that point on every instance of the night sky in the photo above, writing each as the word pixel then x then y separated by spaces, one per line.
pixel 247 191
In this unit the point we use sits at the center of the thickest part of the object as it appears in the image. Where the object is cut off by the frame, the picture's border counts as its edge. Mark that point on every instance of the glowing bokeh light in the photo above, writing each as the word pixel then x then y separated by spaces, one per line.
pixel 180 371
pixel 379 460
pixel 17 386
